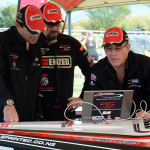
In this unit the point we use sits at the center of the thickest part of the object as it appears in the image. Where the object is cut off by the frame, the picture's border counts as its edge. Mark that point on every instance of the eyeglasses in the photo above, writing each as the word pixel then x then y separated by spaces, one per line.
pixel 117 48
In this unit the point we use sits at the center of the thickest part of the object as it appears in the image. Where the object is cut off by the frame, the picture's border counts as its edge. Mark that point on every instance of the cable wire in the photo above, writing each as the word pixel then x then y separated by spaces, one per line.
pixel 99 111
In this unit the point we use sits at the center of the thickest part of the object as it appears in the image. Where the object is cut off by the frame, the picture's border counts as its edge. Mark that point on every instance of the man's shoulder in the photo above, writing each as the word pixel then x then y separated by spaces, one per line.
pixel 4 35
pixel 65 36
pixel 101 63
pixel 138 57
pixel 5 38
pixel 138 60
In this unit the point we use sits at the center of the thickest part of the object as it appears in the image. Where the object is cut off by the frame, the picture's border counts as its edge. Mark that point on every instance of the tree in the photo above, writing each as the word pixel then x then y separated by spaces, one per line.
pixel 80 25
pixel 138 21
pixel 8 16
pixel 106 17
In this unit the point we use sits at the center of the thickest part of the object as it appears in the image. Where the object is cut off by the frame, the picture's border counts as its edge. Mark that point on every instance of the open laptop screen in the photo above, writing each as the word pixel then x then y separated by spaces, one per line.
pixel 113 104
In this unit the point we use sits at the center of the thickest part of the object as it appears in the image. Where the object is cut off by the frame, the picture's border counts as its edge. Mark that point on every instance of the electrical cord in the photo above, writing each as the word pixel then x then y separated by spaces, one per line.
pixel 100 111
pixel 141 109
pixel 84 103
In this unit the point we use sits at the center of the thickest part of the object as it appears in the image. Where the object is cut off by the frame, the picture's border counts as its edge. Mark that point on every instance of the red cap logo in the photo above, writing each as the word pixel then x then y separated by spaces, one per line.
pixel 113 35
pixel 52 13
pixel 34 19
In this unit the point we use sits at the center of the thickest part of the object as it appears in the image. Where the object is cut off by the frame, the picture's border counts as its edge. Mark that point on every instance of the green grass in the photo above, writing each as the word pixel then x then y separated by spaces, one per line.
pixel 78 82
pixel 79 77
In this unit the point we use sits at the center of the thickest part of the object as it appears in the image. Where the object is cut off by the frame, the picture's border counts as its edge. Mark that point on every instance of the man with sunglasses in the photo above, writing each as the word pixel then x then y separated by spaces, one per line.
pixel 122 69
pixel 20 66
pixel 60 54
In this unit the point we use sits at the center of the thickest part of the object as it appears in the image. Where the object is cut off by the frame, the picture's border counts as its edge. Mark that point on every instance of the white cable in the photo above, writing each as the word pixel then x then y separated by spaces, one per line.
pixel 98 111
pixel 145 105
pixel 141 109
pixel 81 102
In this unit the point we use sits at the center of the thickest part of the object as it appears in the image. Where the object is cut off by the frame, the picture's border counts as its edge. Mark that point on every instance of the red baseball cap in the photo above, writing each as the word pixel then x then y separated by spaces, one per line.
pixel 115 35
pixel 51 13
pixel 32 18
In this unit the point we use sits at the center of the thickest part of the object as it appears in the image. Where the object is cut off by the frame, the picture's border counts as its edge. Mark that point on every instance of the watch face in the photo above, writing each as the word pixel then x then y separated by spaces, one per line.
pixel 10 102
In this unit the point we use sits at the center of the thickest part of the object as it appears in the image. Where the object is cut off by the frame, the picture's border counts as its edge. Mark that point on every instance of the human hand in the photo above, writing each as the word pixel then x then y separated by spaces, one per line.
pixel 142 115
pixel 74 106
pixel 10 114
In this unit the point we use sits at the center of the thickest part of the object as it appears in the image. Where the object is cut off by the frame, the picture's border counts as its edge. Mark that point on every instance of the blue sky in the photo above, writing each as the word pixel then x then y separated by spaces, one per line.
pixel 136 9
pixel 139 8
pixel 5 2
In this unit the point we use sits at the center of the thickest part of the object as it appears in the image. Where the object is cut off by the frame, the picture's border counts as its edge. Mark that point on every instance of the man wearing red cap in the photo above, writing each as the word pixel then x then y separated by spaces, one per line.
pixel 20 65
pixel 60 54
pixel 122 69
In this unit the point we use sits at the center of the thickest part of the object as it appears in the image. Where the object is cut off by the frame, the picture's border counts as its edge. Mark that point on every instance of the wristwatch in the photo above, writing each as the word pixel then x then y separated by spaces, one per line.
pixel 9 102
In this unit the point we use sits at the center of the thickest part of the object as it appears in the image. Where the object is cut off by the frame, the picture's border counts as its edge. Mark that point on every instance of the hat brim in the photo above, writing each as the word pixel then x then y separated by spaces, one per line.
pixel 36 27
pixel 36 31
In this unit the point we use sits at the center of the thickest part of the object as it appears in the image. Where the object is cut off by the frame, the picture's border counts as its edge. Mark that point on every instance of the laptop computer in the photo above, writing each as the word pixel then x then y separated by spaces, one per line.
pixel 113 104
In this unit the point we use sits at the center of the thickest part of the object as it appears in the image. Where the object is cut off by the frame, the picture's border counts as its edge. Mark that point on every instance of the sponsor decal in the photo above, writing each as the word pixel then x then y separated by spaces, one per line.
pixel 97 118
pixel 50 42
pixel 44 83
pixel 64 124
pixel 5 124
pixel 33 142
pixel 44 80
pixel 106 112
pixel 112 34
pixel 93 77
pixel 64 48
pixel 90 61
pixel 19 15
pixel 134 83
pixel 109 117
pixel 51 11
pixel 46 88
pixel 82 48
pixel 119 142
pixel 110 94
pixel 14 58
pixel 107 105
pixel 36 59
pixel 146 123
pixel 59 61
pixel 43 50
pixel 42 143
pixel 92 83
pixel 117 118
pixel 70 123
pixel 36 62
pixel 35 17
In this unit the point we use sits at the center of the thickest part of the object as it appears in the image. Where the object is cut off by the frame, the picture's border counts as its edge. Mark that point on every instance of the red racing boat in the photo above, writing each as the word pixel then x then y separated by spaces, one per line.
pixel 66 135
